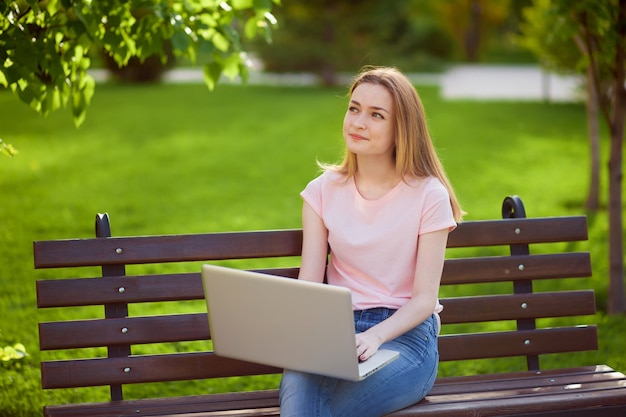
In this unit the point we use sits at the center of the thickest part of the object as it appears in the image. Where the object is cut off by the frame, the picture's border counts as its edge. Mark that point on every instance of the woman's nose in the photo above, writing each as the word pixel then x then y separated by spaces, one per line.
pixel 359 121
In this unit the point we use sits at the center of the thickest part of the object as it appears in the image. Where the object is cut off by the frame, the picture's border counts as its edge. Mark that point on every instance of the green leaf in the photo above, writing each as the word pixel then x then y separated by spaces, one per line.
pixel 17 351
pixel 231 66
pixel 7 149
pixel 244 72
pixel 212 73
pixel 180 41
pixel 220 42
pixel 83 87
pixel 242 4
pixel 232 36
pixel 250 28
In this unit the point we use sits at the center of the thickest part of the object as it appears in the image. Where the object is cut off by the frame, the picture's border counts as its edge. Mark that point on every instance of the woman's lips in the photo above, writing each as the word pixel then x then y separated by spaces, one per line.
pixel 357 137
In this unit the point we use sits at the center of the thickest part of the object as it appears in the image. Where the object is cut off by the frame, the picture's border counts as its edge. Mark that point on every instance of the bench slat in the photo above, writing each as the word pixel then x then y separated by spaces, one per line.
pixel 188 327
pixel 558 378
pixel 547 373
pixel 497 390
pixel 148 368
pixel 124 331
pixel 511 268
pixel 267 244
pixel 167 248
pixel 171 287
pixel 118 289
pixel 136 289
pixel 517 343
pixel 517 306
pixel 200 365
pixel 256 403
pixel 531 230
pixel 589 402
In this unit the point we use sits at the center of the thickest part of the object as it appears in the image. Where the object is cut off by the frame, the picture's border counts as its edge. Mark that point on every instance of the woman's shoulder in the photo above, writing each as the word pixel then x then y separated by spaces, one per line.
pixel 429 183
pixel 329 177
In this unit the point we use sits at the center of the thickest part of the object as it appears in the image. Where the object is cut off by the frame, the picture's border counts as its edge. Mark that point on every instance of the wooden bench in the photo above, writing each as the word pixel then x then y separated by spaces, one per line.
pixel 583 391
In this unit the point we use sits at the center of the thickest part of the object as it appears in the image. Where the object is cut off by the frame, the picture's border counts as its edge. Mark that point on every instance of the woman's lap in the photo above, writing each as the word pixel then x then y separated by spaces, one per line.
pixel 401 383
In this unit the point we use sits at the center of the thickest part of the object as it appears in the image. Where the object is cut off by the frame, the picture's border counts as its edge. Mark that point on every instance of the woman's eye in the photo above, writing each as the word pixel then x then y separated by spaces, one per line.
pixel 378 115
pixel 353 109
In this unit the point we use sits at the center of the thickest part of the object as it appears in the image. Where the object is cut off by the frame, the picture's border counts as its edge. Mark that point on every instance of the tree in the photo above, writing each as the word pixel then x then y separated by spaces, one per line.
pixel 45 46
pixel 471 22
pixel 329 36
pixel 560 51
pixel 598 30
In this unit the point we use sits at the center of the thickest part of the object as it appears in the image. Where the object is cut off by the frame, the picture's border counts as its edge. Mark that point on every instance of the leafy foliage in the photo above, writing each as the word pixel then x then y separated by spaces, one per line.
pixel 9 354
pixel 7 149
pixel 553 31
pixel 328 36
pixel 45 45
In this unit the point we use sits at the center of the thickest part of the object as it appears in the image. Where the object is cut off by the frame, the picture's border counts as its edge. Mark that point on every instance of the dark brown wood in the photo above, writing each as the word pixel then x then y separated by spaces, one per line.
pixel 129 289
pixel 188 327
pixel 167 248
pixel 263 244
pixel 491 393
pixel 141 369
pixel 518 231
pixel 122 331
pixel 572 392
pixel 512 268
pixel 518 306
pixel 524 380
pixel 258 403
pixel 517 343
pixel 562 391
pixel 105 371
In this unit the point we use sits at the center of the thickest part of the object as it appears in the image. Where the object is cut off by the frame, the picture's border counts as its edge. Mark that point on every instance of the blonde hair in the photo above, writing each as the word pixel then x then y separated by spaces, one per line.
pixel 415 154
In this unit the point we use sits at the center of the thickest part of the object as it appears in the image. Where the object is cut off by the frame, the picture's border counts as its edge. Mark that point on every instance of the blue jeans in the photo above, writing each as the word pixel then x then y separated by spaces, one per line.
pixel 403 382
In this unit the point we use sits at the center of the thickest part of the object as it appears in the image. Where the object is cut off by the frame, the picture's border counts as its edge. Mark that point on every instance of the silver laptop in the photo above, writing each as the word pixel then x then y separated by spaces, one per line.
pixel 287 323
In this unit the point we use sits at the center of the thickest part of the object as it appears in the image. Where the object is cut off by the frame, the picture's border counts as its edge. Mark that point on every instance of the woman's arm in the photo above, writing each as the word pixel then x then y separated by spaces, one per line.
pixel 314 246
pixel 429 265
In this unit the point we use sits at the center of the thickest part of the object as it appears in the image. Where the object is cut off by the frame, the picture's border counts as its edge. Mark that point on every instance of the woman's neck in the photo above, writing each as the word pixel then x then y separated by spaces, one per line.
pixel 375 179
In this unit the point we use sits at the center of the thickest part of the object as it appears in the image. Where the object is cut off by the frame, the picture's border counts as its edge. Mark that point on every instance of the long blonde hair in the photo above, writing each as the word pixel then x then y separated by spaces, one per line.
pixel 415 154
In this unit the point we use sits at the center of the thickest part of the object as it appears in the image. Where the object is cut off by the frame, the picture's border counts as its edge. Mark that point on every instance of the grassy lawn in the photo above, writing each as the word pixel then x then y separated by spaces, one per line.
pixel 178 159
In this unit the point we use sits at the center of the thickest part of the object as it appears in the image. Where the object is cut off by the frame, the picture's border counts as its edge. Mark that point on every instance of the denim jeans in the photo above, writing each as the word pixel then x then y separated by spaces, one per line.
pixel 401 383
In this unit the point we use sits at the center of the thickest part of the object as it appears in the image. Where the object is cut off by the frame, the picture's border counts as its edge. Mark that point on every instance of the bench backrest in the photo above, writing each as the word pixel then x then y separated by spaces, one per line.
pixel 123 334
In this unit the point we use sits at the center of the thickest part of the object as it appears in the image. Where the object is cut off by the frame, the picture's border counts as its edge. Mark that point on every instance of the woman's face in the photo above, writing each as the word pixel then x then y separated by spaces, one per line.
pixel 368 124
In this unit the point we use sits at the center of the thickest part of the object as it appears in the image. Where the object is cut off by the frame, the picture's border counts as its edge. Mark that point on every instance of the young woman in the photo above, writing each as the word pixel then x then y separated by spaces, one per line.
pixel 385 212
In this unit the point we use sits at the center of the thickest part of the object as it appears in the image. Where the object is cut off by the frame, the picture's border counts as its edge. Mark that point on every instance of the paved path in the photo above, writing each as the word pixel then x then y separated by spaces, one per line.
pixel 500 82
pixel 477 82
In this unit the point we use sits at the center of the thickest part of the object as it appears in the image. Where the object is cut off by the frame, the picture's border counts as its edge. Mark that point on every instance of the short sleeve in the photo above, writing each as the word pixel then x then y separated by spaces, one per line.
pixel 437 212
pixel 312 194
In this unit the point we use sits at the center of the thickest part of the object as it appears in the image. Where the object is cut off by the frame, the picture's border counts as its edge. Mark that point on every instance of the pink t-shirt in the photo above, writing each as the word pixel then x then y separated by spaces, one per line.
pixel 374 243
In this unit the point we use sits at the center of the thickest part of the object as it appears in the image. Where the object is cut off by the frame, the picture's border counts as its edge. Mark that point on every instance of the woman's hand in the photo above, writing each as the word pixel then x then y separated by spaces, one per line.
pixel 367 343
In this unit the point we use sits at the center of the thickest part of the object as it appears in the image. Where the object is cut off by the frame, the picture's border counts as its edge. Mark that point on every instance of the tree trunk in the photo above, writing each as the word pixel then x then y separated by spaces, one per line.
pixel 616 244
pixel 327 71
pixel 592 104
pixel 593 198
pixel 472 34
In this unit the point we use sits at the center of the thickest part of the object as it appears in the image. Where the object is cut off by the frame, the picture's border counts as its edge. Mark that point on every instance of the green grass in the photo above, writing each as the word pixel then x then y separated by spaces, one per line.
pixel 179 159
